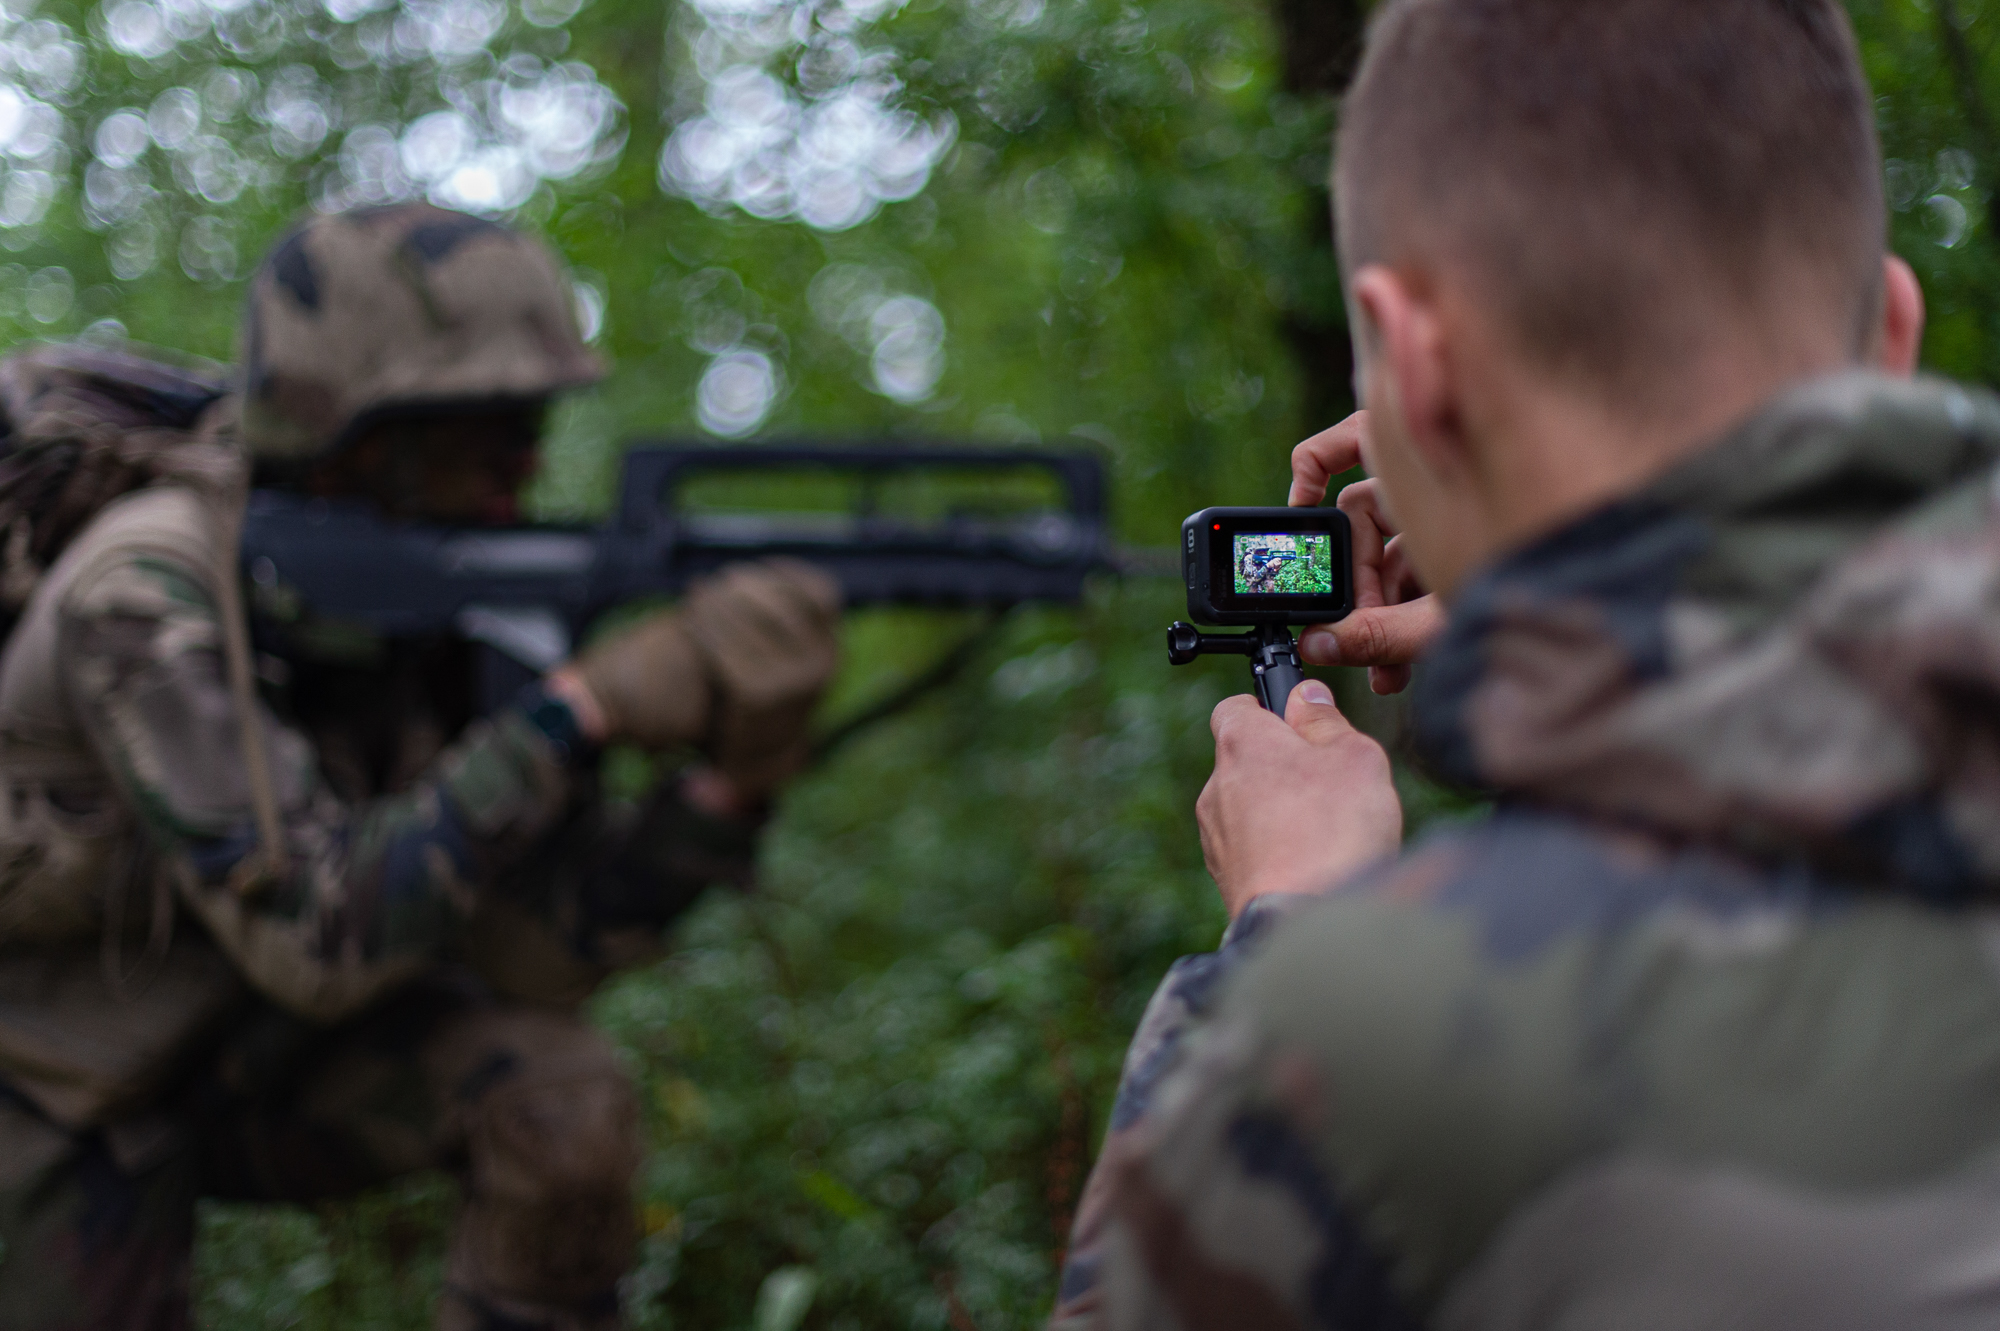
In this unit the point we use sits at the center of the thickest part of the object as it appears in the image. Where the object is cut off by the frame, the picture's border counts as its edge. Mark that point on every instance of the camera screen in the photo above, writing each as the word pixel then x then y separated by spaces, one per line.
pixel 1267 565
pixel 1284 564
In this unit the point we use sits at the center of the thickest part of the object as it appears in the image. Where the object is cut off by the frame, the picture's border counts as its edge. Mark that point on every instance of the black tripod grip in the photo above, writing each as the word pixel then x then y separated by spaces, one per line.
pixel 1275 682
pixel 1274 657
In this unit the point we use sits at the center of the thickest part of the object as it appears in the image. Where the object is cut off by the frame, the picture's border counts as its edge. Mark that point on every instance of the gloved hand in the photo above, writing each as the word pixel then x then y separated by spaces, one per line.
pixel 766 633
pixel 736 668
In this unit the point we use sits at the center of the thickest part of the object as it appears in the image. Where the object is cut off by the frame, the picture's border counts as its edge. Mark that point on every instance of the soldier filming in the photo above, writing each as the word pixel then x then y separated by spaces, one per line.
pixel 281 916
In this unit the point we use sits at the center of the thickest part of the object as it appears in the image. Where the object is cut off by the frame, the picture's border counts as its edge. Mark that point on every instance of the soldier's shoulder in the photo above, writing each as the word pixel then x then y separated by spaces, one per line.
pixel 1461 994
pixel 1509 1001
pixel 164 540
pixel 1429 1032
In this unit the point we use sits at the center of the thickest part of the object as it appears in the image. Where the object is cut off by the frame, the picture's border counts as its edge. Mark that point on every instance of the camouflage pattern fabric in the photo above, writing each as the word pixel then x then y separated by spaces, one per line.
pixel 81 425
pixel 375 887
pixel 1259 572
pixel 419 838
pixel 1702 1028
pixel 593 896
pixel 473 311
pixel 419 847
pixel 1780 646
pixel 411 830
pixel 529 1108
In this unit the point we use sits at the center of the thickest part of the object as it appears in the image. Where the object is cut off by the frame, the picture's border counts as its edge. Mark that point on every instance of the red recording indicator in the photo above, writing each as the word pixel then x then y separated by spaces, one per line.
pixel 1218 526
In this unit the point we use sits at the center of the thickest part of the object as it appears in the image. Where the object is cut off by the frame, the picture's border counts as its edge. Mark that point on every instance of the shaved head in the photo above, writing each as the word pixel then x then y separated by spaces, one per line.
pixel 1610 177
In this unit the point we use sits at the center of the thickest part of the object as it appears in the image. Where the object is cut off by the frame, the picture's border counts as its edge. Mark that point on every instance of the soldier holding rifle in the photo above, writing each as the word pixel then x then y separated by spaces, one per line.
pixel 286 919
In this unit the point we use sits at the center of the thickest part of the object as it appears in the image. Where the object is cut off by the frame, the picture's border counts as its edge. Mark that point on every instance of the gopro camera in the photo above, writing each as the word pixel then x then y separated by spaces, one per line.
pixel 1268 568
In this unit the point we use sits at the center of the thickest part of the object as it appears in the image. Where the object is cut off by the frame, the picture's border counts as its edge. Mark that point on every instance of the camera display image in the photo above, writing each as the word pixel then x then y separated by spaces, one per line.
pixel 1288 564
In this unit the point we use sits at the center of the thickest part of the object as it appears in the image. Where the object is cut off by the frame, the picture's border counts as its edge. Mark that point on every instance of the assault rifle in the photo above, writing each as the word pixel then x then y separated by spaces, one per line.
pixel 917 526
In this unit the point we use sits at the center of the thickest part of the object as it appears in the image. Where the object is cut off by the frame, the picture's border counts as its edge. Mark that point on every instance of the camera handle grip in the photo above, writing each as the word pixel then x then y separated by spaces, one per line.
pixel 1274 657
pixel 1276 667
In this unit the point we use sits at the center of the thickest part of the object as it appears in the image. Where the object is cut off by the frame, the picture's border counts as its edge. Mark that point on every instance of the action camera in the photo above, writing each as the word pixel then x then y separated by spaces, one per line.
pixel 1269 568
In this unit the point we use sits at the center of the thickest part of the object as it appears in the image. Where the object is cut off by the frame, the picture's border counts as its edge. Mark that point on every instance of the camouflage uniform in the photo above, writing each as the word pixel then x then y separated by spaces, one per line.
pixel 184 1012
pixel 1260 575
pixel 1702 1027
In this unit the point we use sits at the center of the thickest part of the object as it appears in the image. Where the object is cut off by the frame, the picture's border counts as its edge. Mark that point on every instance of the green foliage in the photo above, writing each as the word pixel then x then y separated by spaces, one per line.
pixel 371 1263
pixel 890 1066
pixel 1943 165
pixel 1310 572
pixel 1110 241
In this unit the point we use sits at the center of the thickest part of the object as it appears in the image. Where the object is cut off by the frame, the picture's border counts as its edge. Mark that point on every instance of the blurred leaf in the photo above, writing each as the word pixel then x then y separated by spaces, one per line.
pixel 784 1299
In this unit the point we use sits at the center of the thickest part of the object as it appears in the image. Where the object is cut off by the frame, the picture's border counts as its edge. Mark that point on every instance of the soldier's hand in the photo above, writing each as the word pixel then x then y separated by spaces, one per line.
pixel 736 668
pixel 644 685
pixel 767 634
pixel 1394 618
pixel 1296 803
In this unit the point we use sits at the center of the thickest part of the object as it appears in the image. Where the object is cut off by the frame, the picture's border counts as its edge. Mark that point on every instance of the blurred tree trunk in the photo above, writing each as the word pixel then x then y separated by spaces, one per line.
pixel 1322 43
pixel 1964 67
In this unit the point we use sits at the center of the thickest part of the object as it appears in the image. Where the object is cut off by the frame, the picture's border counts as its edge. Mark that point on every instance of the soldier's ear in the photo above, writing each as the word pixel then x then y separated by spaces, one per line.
pixel 1411 363
pixel 1900 339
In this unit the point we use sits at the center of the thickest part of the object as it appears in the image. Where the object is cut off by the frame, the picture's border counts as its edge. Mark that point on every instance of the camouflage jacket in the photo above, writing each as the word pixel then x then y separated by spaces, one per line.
pixel 415 832
pixel 1702 1027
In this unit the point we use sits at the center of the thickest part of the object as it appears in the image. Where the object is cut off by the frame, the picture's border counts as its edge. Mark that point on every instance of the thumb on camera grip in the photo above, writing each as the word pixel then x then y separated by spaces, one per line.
pixel 1314 716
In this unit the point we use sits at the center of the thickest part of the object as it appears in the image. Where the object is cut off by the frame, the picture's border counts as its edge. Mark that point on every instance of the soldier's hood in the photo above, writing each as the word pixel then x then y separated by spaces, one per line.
pixel 1789 646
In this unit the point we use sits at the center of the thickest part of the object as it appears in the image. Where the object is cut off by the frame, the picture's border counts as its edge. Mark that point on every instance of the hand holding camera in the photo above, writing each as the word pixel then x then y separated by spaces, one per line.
pixel 1394 616
pixel 1296 804
pixel 1268 568
pixel 1300 799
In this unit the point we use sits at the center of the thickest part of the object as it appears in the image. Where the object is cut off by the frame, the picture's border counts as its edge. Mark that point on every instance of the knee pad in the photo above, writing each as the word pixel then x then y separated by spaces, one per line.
pixel 552 1145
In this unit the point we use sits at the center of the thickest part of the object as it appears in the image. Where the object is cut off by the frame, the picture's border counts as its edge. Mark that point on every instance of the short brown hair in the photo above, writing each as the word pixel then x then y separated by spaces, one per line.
pixel 1601 166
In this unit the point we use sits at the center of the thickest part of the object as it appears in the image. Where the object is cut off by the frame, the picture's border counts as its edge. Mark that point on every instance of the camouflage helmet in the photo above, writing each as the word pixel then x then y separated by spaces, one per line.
pixel 364 314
